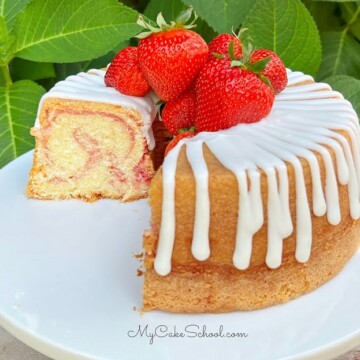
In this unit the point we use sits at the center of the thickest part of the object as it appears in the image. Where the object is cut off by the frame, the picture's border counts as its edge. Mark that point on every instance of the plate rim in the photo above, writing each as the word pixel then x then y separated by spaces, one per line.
pixel 55 350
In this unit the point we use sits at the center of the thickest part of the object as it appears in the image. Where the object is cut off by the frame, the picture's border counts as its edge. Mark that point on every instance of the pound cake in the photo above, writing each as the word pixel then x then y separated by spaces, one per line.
pixel 260 213
pixel 92 142
pixel 258 198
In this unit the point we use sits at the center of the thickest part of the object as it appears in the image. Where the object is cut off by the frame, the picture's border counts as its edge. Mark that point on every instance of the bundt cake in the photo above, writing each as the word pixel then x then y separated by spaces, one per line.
pixel 260 213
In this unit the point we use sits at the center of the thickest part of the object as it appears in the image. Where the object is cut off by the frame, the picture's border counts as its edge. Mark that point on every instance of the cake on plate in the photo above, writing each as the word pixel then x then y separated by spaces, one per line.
pixel 258 198
pixel 260 213
pixel 92 142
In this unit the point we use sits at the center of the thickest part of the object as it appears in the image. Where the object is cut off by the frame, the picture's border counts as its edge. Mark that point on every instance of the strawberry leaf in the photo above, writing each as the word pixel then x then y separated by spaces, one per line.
pixel 266 81
pixel 259 65
pixel 218 56
pixel 238 63
pixel 231 51
pixel 287 28
pixel 18 107
pixel 184 16
pixel 72 30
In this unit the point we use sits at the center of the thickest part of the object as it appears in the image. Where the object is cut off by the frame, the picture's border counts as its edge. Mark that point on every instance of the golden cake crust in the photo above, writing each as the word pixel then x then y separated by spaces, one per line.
pixel 215 285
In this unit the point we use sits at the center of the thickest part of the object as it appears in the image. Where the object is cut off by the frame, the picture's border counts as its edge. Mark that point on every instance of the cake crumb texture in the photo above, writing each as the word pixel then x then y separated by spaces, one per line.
pixel 89 150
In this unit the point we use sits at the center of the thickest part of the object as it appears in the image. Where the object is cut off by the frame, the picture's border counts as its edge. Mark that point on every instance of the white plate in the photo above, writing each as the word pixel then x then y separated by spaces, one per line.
pixel 68 286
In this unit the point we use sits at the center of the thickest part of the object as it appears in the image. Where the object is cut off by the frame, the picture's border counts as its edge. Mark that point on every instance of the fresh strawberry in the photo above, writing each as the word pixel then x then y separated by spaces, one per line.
pixel 124 73
pixel 171 56
pixel 175 140
pixel 228 95
pixel 180 113
pixel 275 70
pixel 220 45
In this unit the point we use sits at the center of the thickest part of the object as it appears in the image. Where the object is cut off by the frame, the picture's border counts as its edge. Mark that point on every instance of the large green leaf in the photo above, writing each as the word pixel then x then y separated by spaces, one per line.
pixel 338 1
pixel 18 107
pixel 351 14
pixel 324 14
pixel 286 27
pixel 341 55
pixel 3 30
pixel 9 10
pixel 169 9
pixel 6 42
pixel 349 87
pixel 222 15
pixel 72 30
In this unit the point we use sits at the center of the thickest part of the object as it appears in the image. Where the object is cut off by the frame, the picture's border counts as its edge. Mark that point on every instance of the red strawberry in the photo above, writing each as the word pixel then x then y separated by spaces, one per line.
pixel 171 57
pixel 175 140
pixel 227 95
pixel 220 45
pixel 275 70
pixel 180 113
pixel 124 73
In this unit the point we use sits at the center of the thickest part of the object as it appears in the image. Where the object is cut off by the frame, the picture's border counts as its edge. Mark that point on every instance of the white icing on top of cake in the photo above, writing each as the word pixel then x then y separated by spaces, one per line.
pixel 306 118
pixel 90 86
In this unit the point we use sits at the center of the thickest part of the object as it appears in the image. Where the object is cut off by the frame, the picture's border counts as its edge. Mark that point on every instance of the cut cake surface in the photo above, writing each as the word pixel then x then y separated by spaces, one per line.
pixel 92 142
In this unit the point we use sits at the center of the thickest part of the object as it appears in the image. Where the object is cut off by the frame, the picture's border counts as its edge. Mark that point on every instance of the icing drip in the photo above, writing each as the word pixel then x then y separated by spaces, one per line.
pixel 91 87
pixel 200 246
pixel 307 117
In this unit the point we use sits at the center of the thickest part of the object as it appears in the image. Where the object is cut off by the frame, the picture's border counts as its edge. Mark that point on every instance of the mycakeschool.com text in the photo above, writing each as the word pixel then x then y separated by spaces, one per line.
pixel 194 331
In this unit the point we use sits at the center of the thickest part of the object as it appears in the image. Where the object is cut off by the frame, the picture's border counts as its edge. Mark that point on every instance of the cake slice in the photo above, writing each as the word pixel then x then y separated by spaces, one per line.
pixel 257 214
pixel 92 142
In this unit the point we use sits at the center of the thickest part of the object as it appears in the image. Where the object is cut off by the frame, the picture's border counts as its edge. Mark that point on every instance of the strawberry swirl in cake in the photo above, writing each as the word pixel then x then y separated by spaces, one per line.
pixel 92 142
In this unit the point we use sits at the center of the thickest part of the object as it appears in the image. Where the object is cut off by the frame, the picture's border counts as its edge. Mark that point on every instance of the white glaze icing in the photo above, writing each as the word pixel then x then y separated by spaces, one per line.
pixel 305 118
pixel 90 86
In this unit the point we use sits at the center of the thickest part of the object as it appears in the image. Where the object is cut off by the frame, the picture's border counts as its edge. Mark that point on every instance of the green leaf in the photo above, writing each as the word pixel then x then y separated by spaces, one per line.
pixel 3 31
pixel 25 69
pixel 18 107
pixel 222 15
pixel 338 1
pixel 206 32
pixel 104 60
pixel 341 55
pixel 287 28
pixel 350 12
pixel 10 9
pixel 349 87
pixel 65 70
pixel 324 14
pixel 6 41
pixel 169 9
pixel 72 30
pixel 259 65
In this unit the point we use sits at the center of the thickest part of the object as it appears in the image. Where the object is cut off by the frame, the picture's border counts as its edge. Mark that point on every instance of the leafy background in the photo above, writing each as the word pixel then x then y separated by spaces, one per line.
pixel 43 41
